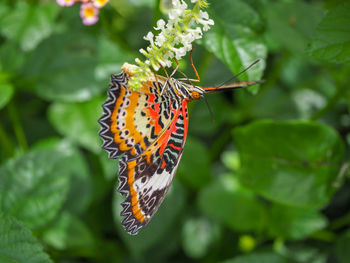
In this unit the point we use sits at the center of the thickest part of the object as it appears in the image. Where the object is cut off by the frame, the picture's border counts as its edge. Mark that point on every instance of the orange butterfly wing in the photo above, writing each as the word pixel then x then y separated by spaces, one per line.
pixel 151 130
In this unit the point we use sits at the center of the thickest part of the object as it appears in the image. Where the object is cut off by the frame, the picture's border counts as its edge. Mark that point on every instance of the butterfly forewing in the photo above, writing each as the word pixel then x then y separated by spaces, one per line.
pixel 133 120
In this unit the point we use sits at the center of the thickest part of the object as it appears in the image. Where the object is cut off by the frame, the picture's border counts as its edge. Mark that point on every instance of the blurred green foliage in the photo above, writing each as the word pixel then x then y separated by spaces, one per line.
pixel 267 182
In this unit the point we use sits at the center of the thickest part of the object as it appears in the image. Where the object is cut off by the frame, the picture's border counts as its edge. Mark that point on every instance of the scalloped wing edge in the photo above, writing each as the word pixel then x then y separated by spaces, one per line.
pixel 114 89
pixel 130 224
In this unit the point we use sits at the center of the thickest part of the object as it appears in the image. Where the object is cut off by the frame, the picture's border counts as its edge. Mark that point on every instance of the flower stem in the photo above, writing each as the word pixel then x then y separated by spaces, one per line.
pixel 156 12
pixel 340 222
pixel 5 141
pixel 17 126
pixel 324 235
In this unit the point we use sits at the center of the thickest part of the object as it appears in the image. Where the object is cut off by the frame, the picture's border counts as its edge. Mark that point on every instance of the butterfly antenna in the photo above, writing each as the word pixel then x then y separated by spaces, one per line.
pixel 175 69
pixel 210 111
pixel 169 79
pixel 235 76
pixel 183 74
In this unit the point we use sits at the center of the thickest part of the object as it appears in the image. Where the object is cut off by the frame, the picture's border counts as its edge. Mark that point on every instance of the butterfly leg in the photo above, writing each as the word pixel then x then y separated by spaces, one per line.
pixel 183 79
pixel 194 68
pixel 176 69
pixel 169 80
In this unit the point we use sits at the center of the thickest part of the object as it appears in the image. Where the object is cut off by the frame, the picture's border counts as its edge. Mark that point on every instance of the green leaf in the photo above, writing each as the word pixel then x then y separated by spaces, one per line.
pixel 165 220
pixel 258 257
pixel 294 222
pixel 237 53
pixel 231 160
pixel 34 186
pixel 198 234
pixel 63 68
pixel 17 244
pixel 110 59
pixel 11 58
pixel 3 11
pixel 200 115
pixel 293 163
pixel 6 92
pixel 342 248
pixel 80 185
pixel 29 24
pixel 78 122
pixel 195 155
pixel 301 252
pixel 225 200
pixel 235 12
pixel 292 23
pixel 145 3
pixel 331 39
pixel 110 167
pixel 233 41
pixel 69 232
pixel 80 188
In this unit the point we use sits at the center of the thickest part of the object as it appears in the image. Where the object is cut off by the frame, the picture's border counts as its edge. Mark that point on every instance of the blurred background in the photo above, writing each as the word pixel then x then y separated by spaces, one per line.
pixel 268 181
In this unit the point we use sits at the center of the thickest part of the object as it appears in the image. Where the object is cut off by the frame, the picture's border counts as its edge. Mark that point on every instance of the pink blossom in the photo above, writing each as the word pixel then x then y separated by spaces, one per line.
pixel 100 3
pixel 89 13
pixel 65 2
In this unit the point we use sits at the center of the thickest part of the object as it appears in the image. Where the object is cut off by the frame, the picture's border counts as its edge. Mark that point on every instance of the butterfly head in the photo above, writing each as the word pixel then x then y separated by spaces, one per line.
pixel 196 93
pixel 188 91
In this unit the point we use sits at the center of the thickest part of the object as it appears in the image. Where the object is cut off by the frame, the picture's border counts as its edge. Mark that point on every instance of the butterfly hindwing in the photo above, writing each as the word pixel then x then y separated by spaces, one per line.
pixel 146 179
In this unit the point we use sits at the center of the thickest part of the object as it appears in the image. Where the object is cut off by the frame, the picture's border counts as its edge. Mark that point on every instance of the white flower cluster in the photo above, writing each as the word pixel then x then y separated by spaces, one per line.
pixel 174 39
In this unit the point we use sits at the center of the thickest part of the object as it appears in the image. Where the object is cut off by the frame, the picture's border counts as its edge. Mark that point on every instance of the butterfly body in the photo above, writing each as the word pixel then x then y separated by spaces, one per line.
pixel 148 128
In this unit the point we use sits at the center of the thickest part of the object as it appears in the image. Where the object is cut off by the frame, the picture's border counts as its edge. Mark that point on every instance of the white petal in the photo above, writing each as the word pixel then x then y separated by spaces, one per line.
pixel 149 36
pixel 160 24
pixel 203 15
pixel 143 52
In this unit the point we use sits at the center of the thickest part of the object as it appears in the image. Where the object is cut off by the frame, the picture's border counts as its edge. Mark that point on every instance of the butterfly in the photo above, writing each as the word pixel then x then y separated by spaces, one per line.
pixel 148 129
